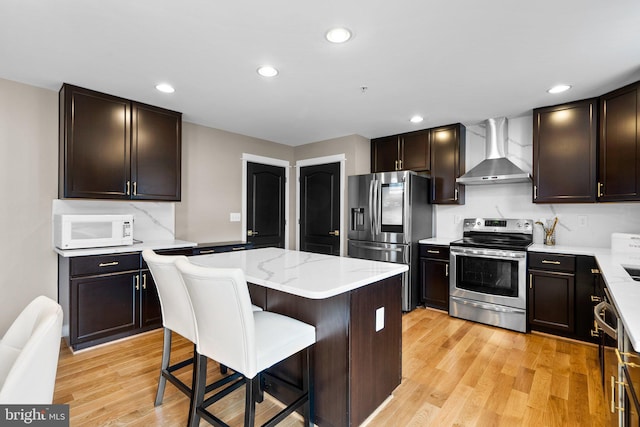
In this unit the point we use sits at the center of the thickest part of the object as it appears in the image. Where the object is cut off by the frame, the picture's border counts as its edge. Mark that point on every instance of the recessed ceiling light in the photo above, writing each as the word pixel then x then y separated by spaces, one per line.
pixel 559 88
pixel 338 35
pixel 165 87
pixel 267 71
pixel 416 119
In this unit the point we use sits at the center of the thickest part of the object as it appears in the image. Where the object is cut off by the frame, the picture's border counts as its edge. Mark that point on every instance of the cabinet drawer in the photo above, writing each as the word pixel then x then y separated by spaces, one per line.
pixel 103 264
pixel 222 248
pixel 434 251
pixel 554 262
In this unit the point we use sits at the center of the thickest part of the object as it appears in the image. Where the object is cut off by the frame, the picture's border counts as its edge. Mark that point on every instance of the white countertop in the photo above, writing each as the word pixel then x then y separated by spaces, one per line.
pixel 136 247
pixel 439 241
pixel 304 274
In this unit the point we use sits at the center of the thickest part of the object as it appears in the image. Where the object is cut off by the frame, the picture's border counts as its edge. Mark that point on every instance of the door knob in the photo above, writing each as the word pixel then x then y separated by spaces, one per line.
pixel 252 233
pixel 335 233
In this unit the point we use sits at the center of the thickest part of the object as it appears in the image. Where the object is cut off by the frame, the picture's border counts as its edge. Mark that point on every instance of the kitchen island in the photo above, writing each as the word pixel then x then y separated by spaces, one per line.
pixel 355 306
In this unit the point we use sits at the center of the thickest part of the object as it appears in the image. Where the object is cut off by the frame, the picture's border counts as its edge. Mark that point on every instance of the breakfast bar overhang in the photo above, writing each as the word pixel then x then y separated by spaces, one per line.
pixel 356 308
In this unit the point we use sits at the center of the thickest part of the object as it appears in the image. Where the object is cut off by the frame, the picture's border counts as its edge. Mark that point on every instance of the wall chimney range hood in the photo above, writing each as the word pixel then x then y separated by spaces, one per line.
pixel 495 168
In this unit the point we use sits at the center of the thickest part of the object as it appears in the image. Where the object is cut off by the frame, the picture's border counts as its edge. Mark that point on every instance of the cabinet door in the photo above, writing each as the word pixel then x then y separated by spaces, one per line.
pixel 435 283
pixel 385 154
pixel 94 144
pixel 564 153
pixel 156 149
pixel 103 306
pixel 588 295
pixel 150 312
pixel 551 301
pixel 415 151
pixel 447 164
pixel 619 172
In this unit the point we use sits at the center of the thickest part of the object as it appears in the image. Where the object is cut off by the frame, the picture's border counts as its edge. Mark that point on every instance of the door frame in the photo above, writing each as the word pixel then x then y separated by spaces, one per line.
pixel 337 158
pixel 246 157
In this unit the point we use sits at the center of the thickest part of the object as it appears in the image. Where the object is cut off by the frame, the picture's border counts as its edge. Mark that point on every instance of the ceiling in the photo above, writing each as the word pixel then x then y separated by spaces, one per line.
pixel 449 61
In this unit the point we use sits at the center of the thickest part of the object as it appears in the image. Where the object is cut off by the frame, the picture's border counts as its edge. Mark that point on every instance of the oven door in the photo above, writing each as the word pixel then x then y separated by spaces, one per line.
pixel 489 275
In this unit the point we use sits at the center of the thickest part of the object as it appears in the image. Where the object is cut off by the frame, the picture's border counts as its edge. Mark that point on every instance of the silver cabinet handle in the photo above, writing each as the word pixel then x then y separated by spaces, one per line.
pixel 544 261
pixel 446 270
pixel 144 281
pixel 208 251
pixel 135 188
pixel 456 194
pixel 128 187
pixel 431 251
pixel 238 248
pixel 108 264
pixel 137 280
pixel 535 192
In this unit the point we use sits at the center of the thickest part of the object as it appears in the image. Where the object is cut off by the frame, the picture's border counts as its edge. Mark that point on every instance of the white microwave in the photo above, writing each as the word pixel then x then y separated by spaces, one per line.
pixel 92 231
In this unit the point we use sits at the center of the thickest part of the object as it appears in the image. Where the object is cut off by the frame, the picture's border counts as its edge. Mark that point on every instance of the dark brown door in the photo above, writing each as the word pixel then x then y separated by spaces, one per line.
pixel 320 208
pixel 619 175
pixel 564 153
pixel 265 205
pixel 155 153
pixel 416 153
pixel 385 154
pixel 95 144
pixel 551 301
pixel 447 163
pixel 104 306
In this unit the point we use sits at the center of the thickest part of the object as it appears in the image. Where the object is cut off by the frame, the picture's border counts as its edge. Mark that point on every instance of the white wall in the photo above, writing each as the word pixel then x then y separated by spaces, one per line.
pixel 514 200
pixel 29 176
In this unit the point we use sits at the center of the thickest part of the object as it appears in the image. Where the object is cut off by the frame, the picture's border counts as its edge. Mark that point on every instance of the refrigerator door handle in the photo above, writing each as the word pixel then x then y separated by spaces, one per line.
pixel 371 202
pixel 376 248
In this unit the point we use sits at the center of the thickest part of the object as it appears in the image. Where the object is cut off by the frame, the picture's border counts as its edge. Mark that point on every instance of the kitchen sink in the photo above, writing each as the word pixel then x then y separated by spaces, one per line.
pixel 634 272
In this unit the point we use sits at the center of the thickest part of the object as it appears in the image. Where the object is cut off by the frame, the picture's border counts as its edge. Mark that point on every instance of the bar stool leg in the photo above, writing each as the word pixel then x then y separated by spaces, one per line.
pixel 166 354
pixel 200 367
pixel 250 401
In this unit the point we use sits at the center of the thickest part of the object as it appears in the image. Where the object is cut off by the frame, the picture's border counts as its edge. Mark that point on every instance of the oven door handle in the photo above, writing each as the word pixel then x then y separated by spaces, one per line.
pixel 492 307
pixel 489 255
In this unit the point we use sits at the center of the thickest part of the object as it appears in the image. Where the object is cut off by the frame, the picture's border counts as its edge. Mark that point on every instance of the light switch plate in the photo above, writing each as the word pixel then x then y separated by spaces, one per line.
pixel 234 217
pixel 380 319
pixel 583 221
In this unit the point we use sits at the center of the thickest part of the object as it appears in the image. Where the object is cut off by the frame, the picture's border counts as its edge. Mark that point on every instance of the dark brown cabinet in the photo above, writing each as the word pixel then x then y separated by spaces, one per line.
pixel 434 276
pixel 114 148
pixel 106 298
pixel 407 151
pixel 564 152
pixel 551 299
pixel 619 153
pixel 447 164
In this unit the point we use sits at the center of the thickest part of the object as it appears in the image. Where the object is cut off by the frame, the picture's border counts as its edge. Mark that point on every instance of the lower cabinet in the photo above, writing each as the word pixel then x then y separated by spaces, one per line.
pixel 562 292
pixel 434 276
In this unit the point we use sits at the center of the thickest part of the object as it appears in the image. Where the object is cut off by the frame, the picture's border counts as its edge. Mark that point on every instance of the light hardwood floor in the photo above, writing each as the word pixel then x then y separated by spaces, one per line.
pixel 455 373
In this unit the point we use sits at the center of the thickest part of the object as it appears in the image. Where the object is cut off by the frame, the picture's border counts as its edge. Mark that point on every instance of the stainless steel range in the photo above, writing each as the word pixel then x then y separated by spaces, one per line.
pixel 488 272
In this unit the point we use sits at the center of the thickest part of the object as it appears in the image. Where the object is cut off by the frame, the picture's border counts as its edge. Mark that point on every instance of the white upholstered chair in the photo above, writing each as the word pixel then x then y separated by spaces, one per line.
pixel 228 331
pixel 29 353
pixel 176 317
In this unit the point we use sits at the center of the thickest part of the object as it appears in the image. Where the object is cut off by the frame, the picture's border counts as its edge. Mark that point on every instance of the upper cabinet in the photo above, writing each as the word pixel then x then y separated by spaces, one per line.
pixel 439 151
pixel 113 148
pixel 564 152
pixel 447 164
pixel 619 154
pixel 408 151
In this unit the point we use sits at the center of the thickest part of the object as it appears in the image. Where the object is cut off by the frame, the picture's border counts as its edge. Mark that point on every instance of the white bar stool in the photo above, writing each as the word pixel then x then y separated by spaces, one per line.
pixel 228 331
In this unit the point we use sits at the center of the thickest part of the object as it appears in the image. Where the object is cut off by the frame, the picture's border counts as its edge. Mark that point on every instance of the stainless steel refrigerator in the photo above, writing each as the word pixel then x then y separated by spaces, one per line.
pixel 389 212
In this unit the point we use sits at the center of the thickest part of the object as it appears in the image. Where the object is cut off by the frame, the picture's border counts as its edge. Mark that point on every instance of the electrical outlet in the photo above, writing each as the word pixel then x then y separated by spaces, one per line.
pixel 380 319
pixel 583 221
pixel 234 217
